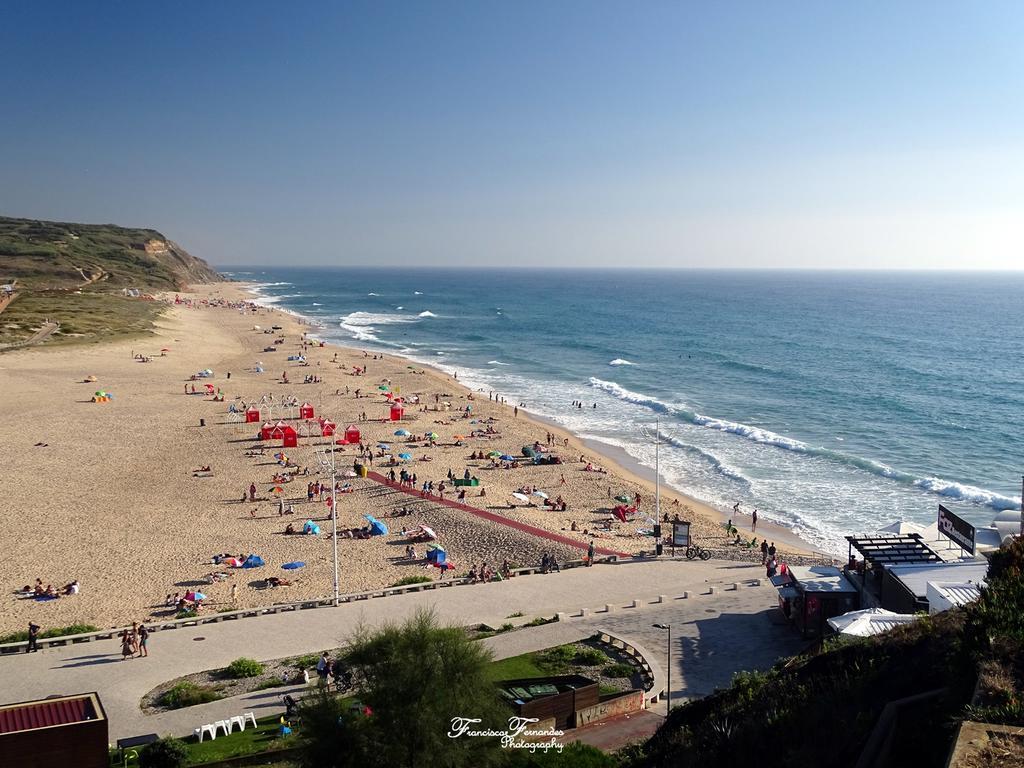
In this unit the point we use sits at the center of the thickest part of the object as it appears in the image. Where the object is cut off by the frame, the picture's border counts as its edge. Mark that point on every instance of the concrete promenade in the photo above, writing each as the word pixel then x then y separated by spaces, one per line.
pixel 713 636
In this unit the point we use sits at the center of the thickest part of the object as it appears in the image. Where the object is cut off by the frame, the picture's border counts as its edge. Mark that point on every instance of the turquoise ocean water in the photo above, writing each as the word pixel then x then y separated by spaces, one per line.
pixel 833 402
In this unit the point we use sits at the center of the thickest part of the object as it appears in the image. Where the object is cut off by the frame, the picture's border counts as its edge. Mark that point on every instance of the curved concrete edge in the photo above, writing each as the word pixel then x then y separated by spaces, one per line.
pixel 652 671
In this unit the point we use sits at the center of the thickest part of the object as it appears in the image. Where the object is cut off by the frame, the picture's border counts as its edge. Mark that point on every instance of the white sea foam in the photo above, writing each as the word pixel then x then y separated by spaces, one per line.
pixel 497 362
pixel 363 325
pixel 418 293
pixel 373 294
pixel 399 307
pixel 427 313
pixel 317 304
pixel 970 493
pixel 620 361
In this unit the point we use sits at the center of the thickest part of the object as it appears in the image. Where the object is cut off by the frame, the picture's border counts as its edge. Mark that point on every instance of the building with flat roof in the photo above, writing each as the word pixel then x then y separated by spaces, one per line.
pixel 58 731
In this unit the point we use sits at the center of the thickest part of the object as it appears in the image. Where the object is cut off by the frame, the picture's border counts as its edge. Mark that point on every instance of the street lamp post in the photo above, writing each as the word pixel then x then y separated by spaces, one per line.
pixel 332 467
pixel 668 668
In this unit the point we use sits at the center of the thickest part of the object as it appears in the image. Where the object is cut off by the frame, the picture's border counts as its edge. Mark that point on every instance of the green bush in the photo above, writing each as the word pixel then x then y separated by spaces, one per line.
pixel 506 627
pixel 189 614
pixel 186 694
pixel 244 667
pixel 406 581
pixel 617 670
pixel 590 657
pixel 305 662
pixel 73 629
pixel 164 753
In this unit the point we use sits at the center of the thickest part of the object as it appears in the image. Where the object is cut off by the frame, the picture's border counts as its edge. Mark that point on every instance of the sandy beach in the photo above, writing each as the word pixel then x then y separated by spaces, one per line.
pixel 109 494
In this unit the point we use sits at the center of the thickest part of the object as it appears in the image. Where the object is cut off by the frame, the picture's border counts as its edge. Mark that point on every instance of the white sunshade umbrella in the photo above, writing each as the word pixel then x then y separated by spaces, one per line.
pixel 521 497
pixel 541 494
pixel 868 622
pixel 428 531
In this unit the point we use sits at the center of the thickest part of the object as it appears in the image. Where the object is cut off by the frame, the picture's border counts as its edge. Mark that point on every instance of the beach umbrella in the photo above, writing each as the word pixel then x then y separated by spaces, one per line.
pixel 521 497
pixel 349 473
pixel 384 446
pixel 293 566
pixel 506 457
pixel 277 489
pixel 401 433
pixel 432 435
pixel 493 454
pixel 428 531
pixel 405 456
pixel 459 437
pixel 870 621
pixel 541 494
pixel 383 387
pixel 623 498
pixel 232 562
pixel 165 349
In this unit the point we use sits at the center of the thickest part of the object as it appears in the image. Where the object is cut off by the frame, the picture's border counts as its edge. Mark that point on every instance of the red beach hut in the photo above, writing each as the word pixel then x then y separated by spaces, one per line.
pixel 352 434
pixel 252 415
pixel 397 411
pixel 306 411
pixel 267 431
pixel 289 437
pixel 327 427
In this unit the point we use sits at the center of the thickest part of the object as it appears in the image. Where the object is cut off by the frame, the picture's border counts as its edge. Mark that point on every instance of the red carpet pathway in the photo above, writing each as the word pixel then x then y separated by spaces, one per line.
pixel 492 517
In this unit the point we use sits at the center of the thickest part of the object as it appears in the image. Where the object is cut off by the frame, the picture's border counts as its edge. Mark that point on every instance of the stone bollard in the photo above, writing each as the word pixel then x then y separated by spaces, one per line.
pixel 661 599
pixel 755 583
pixel 635 604
pixel 608 607
pixel 561 616
pixel 734 586
pixel 711 590
pixel 583 613
pixel 685 595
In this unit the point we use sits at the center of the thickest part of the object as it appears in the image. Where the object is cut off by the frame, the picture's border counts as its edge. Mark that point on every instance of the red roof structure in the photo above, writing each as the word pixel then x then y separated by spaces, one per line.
pixel 61 730
pixel 47 713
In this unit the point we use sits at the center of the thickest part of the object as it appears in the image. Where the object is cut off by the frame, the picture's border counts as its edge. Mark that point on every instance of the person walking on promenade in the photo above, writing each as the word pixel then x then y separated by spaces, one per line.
pixel 590 554
pixel 764 552
pixel 33 637
pixel 143 640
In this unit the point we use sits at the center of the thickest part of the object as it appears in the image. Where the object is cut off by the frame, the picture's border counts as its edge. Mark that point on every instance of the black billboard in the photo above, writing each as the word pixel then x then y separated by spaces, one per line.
pixel 956 528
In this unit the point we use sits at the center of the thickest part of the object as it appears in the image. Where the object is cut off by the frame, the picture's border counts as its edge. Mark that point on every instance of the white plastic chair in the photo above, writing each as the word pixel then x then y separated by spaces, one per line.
pixel 208 729
pixel 238 720
pixel 251 718
pixel 225 724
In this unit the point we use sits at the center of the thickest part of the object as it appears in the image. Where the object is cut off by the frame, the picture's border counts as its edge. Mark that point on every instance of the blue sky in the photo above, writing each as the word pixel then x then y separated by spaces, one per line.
pixel 836 135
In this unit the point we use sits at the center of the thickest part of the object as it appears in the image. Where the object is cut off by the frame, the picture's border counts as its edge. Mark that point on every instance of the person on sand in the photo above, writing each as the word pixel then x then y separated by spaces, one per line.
pixel 764 551
pixel 753 521
pixel 252 491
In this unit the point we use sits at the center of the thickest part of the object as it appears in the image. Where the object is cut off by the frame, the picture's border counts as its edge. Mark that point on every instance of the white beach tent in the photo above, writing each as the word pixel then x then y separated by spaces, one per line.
pixel 868 622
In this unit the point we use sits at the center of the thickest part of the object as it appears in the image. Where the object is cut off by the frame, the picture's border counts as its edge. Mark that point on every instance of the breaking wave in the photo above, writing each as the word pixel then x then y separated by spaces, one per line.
pixel 363 325
pixel 620 361
pixel 427 313
pixel 936 485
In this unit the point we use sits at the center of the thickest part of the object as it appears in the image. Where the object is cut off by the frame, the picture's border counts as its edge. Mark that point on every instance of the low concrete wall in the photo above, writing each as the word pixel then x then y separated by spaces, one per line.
pixel 630 701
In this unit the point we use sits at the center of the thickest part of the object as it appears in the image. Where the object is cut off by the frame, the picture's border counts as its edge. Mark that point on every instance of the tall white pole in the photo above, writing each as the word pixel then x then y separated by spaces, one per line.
pixel 334 516
pixel 657 470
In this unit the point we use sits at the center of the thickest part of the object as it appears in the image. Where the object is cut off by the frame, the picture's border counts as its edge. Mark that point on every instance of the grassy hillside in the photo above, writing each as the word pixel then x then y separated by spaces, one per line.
pixel 48 255
pixel 74 274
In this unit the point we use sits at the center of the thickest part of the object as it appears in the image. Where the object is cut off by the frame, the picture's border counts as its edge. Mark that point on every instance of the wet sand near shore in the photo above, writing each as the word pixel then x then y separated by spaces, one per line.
pixel 108 493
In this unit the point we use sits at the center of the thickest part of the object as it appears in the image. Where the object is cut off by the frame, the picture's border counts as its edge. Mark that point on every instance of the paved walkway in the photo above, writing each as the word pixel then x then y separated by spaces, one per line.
pixel 707 651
